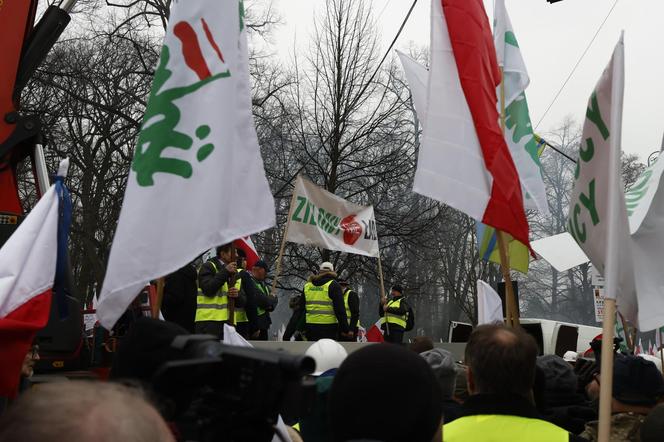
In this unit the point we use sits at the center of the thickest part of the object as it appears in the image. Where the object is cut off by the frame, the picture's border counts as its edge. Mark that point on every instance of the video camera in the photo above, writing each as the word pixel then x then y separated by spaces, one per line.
pixel 211 391
pixel 227 393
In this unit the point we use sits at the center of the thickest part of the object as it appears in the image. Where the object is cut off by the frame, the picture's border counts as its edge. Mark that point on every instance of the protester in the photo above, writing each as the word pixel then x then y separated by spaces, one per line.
pixel 212 310
pixel 444 368
pixel 637 387
pixel 652 429
pixel 501 372
pixel 352 305
pixel 259 301
pixel 395 312
pixel 329 355
pixel 561 403
pixel 296 323
pixel 401 398
pixel 421 344
pixel 179 303
pixel 325 314
pixel 241 312
pixel 83 411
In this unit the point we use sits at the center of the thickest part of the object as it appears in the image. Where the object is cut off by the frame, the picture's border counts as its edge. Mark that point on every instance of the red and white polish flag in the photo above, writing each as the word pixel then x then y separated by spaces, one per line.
pixel 27 272
pixel 464 161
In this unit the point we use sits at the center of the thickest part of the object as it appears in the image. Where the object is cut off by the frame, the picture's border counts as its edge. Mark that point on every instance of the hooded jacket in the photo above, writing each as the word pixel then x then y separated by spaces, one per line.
pixel 336 295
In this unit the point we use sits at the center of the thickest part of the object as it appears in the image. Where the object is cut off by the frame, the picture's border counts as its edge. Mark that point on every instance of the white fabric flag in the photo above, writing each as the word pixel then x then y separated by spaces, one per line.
pixel 450 166
pixel 645 204
pixel 322 219
pixel 518 130
pixel 28 258
pixel 597 215
pixel 489 304
pixel 417 77
pixel 197 156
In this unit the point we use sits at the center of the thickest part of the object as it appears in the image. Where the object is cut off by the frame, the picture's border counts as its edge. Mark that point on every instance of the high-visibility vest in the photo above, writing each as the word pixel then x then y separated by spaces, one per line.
pixel 319 308
pixel 215 308
pixel 511 429
pixel 346 293
pixel 263 289
pixel 393 318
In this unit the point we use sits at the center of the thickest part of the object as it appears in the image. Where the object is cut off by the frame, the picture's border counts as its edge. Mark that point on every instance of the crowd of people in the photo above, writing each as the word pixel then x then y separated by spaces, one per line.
pixel 224 291
pixel 501 391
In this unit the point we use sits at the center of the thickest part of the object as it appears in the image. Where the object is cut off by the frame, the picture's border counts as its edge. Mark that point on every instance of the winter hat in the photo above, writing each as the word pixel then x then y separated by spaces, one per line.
pixel 636 381
pixel 145 348
pixel 444 368
pixel 397 288
pixel 366 376
pixel 559 375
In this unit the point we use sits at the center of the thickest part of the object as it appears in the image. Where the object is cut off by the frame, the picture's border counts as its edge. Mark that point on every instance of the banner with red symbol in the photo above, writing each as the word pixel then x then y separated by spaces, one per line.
pixel 320 218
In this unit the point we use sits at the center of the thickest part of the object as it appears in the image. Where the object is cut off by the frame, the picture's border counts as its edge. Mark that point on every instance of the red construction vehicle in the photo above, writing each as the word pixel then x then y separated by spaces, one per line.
pixel 23 46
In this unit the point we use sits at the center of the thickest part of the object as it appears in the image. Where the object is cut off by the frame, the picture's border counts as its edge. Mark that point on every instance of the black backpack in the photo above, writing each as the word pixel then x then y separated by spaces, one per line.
pixel 410 319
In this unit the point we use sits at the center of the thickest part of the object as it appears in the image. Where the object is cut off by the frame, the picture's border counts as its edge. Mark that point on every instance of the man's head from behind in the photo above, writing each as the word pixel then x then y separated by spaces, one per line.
pixel 373 372
pixel 500 360
pixel 82 411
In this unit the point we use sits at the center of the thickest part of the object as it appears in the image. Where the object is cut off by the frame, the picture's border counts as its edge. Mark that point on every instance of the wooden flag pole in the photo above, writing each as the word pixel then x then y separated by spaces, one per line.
pixel 282 248
pixel 606 370
pixel 661 347
pixel 231 283
pixel 382 292
pixel 511 306
pixel 161 282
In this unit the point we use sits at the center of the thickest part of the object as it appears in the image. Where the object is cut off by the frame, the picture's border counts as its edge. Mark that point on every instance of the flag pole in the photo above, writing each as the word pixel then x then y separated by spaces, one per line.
pixel 606 370
pixel 382 291
pixel 161 282
pixel 283 246
pixel 511 306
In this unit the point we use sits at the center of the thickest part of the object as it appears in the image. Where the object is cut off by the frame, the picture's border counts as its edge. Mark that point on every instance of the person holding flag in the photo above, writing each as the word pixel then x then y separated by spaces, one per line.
pixel 214 293
pixel 395 315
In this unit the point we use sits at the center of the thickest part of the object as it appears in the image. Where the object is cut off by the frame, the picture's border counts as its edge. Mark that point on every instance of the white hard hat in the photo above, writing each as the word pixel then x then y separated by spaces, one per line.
pixel 327 353
pixel 327 266
pixel 570 356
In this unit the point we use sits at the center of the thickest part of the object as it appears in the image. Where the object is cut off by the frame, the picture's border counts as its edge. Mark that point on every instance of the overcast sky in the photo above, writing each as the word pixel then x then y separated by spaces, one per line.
pixel 552 38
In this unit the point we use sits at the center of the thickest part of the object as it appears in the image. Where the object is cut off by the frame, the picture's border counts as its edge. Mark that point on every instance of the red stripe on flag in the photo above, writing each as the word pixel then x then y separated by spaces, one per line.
pixel 210 38
pixel 248 246
pixel 191 49
pixel 475 56
pixel 17 331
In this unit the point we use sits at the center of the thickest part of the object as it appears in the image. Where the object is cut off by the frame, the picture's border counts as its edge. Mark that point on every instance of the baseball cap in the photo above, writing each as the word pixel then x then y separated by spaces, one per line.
pixel 327 266
pixel 570 356
pixel 262 264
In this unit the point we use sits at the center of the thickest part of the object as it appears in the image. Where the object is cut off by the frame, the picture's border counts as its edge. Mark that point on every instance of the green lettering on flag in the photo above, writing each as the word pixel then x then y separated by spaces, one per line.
pixel 594 115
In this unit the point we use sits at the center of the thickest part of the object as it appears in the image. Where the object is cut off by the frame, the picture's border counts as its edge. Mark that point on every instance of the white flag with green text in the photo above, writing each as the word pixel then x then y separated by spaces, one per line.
pixel 518 129
pixel 197 177
pixel 320 218
pixel 597 212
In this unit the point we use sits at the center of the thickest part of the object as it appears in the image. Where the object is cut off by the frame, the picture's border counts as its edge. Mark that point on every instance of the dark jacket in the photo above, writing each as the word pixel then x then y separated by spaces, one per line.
pixel 179 303
pixel 296 322
pixel 335 294
pixel 401 311
pixel 503 405
pixel 354 306
pixel 210 281
pixel 257 299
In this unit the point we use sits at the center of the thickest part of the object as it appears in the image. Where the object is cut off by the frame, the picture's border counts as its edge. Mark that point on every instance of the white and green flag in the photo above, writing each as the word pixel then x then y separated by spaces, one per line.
pixel 597 212
pixel 320 218
pixel 518 129
pixel 197 177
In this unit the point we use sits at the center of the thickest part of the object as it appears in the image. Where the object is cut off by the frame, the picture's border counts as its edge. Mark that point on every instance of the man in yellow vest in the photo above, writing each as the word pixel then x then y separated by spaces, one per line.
pixel 259 301
pixel 325 314
pixel 500 377
pixel 352 307
pixel 394 311
pixel 214 293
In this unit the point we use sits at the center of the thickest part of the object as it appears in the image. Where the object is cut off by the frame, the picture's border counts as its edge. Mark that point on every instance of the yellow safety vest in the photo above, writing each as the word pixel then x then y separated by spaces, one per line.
pixel 346 293
pixel 319 308
pixel 264 290
pixel 215 308
pixel 393 318
pixel 502 428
